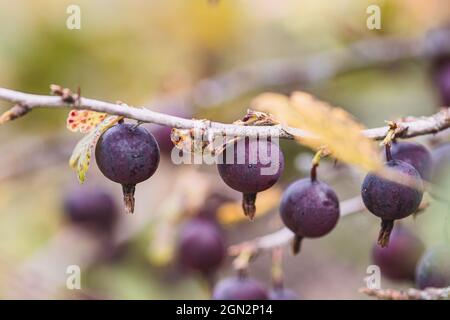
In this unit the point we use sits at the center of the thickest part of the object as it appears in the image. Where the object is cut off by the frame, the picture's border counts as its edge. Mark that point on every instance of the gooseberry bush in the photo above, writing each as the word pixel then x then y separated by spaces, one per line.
pixel 399 176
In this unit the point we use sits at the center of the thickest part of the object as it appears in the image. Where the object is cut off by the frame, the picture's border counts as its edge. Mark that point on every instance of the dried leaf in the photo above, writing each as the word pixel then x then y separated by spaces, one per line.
pixel 189 140
pixel 81 155
pixel 84 120
pixel 329 126
pixel 256 118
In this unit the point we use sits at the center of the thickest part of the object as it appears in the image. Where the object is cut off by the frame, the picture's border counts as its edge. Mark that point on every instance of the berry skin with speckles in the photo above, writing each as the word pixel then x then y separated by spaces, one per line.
pixel 127 154
pixel 309 208
pixel 391 200
pixel 251 166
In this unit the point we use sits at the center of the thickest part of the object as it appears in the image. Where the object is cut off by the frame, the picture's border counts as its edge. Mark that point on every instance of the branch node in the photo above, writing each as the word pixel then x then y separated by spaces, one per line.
pixel 66 94
pixel 17 111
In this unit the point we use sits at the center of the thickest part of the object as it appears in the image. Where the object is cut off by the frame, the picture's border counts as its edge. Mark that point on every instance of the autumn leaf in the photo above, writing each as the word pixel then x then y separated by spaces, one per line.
pixel 84 120
pixel 330 127
pixel 81 155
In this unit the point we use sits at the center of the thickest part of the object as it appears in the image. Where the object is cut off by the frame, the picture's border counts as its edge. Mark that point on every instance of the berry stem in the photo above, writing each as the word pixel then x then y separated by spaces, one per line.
pixel 314 172
pixel 385 232
pixel 128 197
pixel 315 163
pixel 388 152
pixel 248 204
pixel 296 244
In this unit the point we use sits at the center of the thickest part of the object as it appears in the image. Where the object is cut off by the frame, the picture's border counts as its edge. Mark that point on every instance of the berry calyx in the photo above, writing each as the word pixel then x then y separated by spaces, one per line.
pixel 391 200
pixel 127 154
pixel 415 154
pixel 433 269
pixel 93 208
pixel 201 246
pixel 240 288
pixel 309 208
pixel 398 261
pixel 251 166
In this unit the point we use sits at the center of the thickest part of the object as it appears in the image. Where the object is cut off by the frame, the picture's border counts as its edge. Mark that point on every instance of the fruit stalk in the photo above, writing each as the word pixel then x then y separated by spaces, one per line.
pixel 385 232
pixel 128 197
pixel 248 204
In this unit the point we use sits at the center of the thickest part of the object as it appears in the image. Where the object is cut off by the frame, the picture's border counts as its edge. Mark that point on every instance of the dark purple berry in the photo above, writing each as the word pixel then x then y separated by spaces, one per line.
pixel 398 261
pixel 391 200
pixel 127 154
pixel 415 154
pixel 442 80
pixel 437 43
pixel 201 246
pixel 282 294
pixel 91 207
pixel 251 166
pixel 310 208
pixel 441 163
pixel 240 288
pixel 213 202
pixel 433 269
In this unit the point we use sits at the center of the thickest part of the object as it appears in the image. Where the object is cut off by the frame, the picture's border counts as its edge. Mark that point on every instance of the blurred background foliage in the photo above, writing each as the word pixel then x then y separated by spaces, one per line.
pixel 136 51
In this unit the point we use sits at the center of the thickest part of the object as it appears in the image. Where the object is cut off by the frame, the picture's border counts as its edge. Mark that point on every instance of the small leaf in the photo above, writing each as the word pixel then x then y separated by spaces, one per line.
pixel 189 140
pixel 329 126
pixel 81 155
pixel 84 120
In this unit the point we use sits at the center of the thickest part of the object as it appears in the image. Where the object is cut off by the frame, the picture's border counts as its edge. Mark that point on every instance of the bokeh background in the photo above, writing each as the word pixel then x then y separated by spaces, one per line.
pixel 143 52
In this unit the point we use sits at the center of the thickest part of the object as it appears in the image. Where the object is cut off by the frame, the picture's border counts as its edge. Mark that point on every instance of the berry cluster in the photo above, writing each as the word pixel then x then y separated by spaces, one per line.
pixel 128 154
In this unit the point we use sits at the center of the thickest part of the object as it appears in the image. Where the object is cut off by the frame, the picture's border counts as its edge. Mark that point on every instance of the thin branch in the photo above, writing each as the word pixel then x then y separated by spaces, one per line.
pixel 409 294
pixel 411 126
pixel 284 235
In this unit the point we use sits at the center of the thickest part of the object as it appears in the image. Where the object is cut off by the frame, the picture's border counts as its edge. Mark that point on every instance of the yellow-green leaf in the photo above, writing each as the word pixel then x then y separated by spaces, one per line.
pixel 330 127
pixel 81 155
